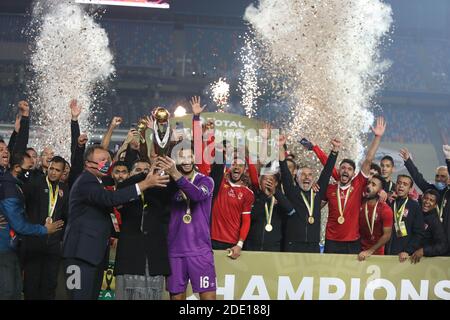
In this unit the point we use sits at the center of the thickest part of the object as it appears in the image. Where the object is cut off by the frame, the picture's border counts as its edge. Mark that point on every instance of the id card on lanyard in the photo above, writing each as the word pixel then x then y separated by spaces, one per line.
pixel 400 226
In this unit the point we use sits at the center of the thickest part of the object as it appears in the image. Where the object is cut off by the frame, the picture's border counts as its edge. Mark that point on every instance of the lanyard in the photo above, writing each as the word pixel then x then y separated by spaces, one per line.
pixel 188 201
pixel 341 210
pixel 398 214
pixel 309 206
pixel 441 207
pixel 372 222
pixel 268 211
pixel 144 205
pixel 52 197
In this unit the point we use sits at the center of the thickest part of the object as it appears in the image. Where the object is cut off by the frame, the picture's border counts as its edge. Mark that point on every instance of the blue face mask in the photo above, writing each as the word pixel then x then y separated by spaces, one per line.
pixel 440 185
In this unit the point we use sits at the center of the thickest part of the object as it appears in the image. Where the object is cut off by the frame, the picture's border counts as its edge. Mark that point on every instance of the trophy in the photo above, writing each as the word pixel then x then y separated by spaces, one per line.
pixel 161 132
pixel 141 127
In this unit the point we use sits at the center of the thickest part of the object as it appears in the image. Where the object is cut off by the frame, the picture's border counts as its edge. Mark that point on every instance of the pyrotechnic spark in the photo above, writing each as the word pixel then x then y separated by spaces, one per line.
pixel 248 78
pixel 323 57
pixel 220 93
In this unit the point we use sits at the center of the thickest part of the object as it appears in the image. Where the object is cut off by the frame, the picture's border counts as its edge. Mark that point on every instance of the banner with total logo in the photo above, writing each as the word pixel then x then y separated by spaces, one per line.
pixel 303 276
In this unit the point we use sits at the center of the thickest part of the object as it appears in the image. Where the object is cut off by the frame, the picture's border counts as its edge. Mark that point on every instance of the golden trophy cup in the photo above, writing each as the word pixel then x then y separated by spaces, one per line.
pixel 161 130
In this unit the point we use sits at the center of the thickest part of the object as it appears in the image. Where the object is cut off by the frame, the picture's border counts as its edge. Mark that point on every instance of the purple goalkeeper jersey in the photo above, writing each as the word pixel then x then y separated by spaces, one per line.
pixel 193 239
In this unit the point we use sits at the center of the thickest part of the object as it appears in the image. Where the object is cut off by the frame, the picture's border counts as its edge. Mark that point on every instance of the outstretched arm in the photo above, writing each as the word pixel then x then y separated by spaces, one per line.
pixel 23 135
pixel 75 111
pixel 115 122
pixel 323 159
pixel 378 131
pixel 418 178
pixel 286 176
pixel 325 175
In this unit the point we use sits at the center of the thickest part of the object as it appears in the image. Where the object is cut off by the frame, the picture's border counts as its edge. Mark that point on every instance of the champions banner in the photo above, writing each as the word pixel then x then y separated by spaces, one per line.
pixel 303 276
pixel 159 4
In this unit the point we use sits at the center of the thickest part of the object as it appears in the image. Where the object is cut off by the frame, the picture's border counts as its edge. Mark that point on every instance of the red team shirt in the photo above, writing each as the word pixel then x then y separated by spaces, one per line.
pixel 231 202
pixel 349 230
pixel 383 219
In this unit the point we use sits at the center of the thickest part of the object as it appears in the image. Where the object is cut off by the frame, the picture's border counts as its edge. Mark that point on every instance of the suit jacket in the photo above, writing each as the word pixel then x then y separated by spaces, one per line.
pixel 413 219
pixel 89 223
pixel 143 232
pixel 36 199
pixel 258 238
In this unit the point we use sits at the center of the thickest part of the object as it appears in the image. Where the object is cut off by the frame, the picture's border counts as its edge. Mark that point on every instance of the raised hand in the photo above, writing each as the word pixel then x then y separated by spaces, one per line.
pixel 196 106
pixel 24 108
pixel 404 153
pixel 168 165
pixel 75 109
pixel 446 149
pixel 149 121
pixel 132 134
pixel 336 144
pixel 379 128
pixel 82 139
pixel 115 122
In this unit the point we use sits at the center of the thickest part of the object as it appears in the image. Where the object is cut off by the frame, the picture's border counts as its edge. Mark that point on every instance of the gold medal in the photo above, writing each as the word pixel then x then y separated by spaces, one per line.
pixel 49 220
pixel 309 206
pixel 341 220
pixel 269 227
pixel 187 218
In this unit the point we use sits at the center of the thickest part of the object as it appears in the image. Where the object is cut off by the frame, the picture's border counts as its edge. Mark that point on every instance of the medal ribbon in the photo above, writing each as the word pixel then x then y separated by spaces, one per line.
pixel 341 210
pixel 269 211
pixel 188 201
pixel 372 223
pixel 52 197
pixel 440 208
pixel 309 206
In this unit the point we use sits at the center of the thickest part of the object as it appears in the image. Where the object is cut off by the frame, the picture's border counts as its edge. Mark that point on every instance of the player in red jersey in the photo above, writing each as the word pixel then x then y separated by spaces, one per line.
pixel 375 220
pixel 344 200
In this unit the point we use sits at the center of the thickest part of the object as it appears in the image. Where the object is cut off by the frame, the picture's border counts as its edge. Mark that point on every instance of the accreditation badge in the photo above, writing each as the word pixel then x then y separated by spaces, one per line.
pixel 400 229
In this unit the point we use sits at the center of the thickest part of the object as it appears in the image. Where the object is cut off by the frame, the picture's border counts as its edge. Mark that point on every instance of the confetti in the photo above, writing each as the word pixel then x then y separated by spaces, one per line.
pixel 220 93
pixel 322 57
pixel 70 59
pixel 248 78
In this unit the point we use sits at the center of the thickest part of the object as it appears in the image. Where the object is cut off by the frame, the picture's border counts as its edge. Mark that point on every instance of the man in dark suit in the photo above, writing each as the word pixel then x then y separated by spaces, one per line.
pixel 142 259
pixel 89 223
pixel 46 198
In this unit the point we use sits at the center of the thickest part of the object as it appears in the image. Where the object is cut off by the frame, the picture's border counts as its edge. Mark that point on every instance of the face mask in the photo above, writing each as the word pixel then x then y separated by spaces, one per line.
pixel 104 166
pixel 440 186
pixel 24 175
